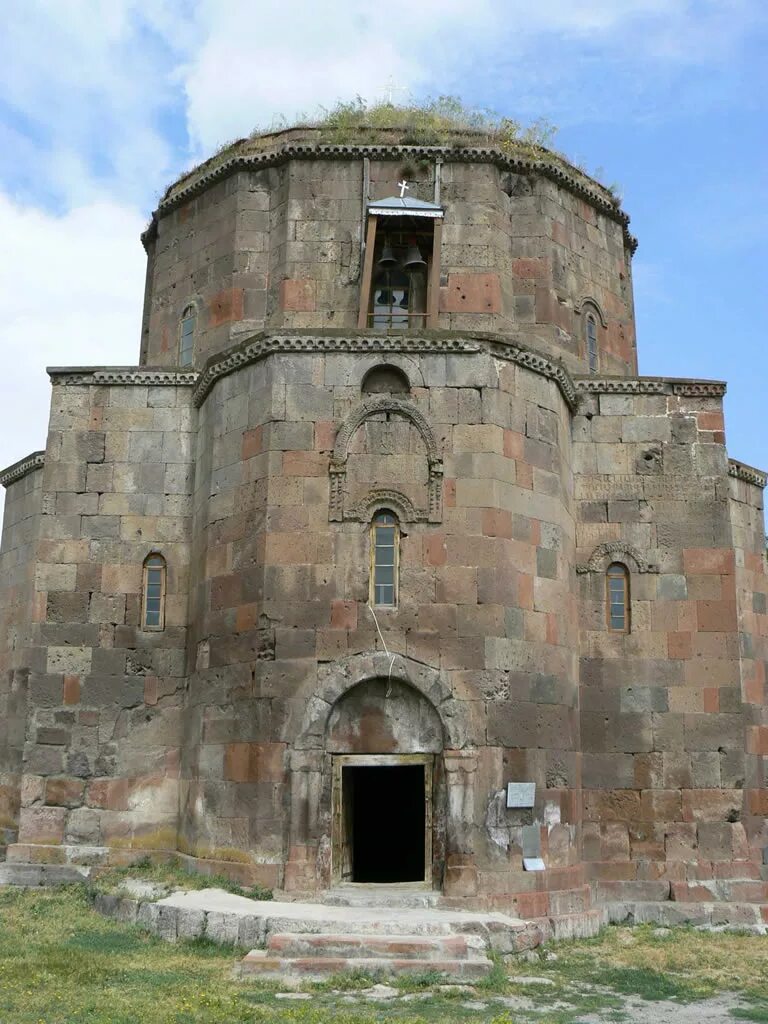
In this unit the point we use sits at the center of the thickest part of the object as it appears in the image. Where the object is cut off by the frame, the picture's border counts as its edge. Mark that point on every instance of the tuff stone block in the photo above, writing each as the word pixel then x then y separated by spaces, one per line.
pixel 516 480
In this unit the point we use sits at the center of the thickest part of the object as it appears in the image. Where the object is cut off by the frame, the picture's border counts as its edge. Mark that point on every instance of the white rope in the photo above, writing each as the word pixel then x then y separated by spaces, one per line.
pixel 386 650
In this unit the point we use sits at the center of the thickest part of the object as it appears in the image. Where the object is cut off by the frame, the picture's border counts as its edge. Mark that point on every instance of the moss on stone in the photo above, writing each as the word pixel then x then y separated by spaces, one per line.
pixel 444 122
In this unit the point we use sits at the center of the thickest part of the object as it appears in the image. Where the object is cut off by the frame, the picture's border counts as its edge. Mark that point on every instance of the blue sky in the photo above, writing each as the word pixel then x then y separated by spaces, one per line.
pixel 103 102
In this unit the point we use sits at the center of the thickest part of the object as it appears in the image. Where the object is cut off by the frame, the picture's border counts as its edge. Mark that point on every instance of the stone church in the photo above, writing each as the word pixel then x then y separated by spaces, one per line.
pixel 383 565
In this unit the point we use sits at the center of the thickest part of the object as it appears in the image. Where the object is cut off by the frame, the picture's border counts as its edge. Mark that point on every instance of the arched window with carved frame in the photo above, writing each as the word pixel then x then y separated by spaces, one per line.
pixel 187 326
pixel 153 592
pixel 617 598
pixel 385 559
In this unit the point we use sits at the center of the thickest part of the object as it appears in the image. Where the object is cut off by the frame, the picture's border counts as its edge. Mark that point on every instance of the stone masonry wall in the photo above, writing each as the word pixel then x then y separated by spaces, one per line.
pixel 747 521
pixel 101 757
pixel 17 565
pixel 661 706
pixel 280 247
pixel 280 595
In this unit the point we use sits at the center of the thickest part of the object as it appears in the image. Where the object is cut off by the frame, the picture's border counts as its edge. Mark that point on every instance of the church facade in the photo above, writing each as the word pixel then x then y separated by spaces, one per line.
pixel 384 565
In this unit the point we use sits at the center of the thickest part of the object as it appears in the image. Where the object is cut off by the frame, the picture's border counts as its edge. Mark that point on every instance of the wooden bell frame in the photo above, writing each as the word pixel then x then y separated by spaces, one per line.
pixel 409 224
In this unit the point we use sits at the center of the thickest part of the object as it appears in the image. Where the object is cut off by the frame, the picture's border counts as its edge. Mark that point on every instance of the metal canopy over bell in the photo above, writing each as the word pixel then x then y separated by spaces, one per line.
pixel 413 260
pixel 387 258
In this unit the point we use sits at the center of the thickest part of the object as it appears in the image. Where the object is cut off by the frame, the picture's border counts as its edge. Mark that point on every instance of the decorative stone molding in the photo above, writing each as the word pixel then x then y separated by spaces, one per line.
pixel 243 158
pixel 615 550
pixel 649 386
pixel 699 388
pixel 399 503
pixel 588 300
pixel 620 386
pixel 19 469
pixel 541 365
pixel 746 473
pixel 138 376
pixel 377 405
pixel 338 465
pixel 265 344
pixel 338 677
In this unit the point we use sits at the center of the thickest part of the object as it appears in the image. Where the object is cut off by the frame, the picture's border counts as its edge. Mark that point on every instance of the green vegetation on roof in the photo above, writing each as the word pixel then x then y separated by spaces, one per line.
pixel 444 121
pixel 434 122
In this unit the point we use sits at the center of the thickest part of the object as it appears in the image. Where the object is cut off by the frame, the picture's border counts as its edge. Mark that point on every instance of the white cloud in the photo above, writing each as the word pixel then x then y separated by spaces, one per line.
pixel 72 295
pixel 86 81
pixel 100 93
pixel 282 57
pixel 258 60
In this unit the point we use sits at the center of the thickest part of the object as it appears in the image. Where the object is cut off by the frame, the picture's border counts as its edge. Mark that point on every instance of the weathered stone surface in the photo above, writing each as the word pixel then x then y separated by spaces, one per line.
pixel 517 480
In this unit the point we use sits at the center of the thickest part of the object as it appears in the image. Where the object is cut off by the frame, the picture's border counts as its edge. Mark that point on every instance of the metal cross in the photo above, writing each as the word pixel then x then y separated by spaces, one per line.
pixel 403 185
pixel 391 86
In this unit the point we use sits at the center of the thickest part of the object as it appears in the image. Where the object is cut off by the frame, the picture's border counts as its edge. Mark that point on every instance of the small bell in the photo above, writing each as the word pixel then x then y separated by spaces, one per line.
pixel 413 260
pixel 387 258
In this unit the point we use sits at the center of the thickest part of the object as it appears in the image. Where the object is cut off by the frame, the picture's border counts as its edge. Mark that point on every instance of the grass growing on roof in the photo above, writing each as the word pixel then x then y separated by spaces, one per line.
pixel 435 121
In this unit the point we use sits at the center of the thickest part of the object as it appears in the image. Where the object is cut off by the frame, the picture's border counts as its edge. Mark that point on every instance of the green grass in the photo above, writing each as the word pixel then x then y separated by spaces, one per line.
pixel 62 963
pixel 758 1012
pixel 173 875
pixel 435 121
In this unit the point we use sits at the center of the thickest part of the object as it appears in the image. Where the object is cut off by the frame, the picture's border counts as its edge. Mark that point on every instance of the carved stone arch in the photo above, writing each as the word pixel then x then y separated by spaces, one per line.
pixel 398 503
pixel 376 405
pixel 433 512
pixel 616 551
pixel 338 678
pixel 590 303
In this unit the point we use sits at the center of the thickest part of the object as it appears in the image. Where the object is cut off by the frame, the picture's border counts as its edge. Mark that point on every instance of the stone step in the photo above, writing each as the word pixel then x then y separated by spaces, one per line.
pixel 726 890
pixel 361 895
pixel 752 917
pixel 388 947
pixel 498 930
pixel 33 875
pixel 258 964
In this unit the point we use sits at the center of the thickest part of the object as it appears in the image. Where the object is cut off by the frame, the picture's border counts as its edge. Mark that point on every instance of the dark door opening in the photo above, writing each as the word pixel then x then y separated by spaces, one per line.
pixel 384 822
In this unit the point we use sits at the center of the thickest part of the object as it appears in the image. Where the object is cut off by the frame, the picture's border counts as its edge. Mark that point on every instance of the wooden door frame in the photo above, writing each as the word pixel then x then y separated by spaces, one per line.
pixel 339 762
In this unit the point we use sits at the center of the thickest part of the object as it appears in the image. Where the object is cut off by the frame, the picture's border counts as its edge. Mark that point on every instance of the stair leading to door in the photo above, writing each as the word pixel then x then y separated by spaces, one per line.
pixel 405 894
pixel 315 940
pixel 460 957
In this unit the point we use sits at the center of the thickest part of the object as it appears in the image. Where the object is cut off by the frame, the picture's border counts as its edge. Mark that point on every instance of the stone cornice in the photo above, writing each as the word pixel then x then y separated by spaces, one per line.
pixel 428 343
pixel 243 158
pixel 746 473
pixel 19 469
pixel 650 386
pixel 139 376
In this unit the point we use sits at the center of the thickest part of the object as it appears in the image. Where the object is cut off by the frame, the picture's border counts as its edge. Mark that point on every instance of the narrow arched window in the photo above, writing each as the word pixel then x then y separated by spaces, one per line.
pixel 153 593
pixel 592 343
pixel 617 598
pixel 187 336
pixel 385 544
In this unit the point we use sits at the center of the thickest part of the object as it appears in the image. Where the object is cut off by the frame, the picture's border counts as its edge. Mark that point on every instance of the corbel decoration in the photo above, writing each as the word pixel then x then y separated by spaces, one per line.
pixel 699 388
pixel 20 469
pixel 615 551
pixel 251 155
pixel 136 376
pixel 433 513
pixel 650 386
pixel 748 474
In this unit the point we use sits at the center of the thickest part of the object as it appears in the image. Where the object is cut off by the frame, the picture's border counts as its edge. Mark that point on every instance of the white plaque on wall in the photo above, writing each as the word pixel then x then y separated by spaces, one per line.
pixel 521 794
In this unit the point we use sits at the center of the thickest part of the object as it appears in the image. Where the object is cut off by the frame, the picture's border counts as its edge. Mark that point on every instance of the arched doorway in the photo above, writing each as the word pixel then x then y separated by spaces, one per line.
pixel 384 739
